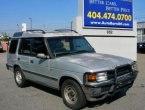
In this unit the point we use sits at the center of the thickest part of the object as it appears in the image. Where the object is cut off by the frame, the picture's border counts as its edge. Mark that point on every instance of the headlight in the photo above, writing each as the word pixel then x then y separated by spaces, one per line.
pixel 134 66
pixel 141 45
pixel 97 77
pixel 101 77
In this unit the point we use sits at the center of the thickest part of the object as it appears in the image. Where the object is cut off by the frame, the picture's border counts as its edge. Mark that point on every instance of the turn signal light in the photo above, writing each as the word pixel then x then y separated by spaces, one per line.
pixel 91 77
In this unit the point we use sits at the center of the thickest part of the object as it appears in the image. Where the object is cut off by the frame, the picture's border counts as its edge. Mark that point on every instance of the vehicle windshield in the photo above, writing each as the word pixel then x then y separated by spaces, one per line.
pixel 69 46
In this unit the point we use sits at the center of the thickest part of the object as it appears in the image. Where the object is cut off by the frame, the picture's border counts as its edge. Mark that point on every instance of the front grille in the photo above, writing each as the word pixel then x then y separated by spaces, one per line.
pixel 123 70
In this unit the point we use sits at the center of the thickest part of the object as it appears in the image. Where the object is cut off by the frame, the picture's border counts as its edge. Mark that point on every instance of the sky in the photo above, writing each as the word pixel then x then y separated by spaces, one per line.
pixel 44 13
pixel 47 14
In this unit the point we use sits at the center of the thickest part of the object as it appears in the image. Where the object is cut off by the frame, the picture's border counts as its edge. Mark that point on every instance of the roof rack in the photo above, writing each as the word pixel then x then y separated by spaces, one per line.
pixel 37 30
pixel 65 30
pixel 18 34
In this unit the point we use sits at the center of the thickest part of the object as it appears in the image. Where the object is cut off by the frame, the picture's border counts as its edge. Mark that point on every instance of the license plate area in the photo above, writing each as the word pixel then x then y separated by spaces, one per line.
pixel 123 81
pixel 123 77
pixel 123 84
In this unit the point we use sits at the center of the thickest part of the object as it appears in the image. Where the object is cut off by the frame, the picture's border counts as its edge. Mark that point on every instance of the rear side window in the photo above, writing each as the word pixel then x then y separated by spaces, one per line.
pixel 25 47
pixel 13 46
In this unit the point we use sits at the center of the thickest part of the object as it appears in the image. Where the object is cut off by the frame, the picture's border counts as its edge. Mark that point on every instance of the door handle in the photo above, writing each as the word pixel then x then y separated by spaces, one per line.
pixel 31 61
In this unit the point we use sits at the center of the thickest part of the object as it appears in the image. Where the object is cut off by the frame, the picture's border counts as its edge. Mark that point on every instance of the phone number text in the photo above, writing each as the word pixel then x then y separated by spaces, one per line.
pixel 109 16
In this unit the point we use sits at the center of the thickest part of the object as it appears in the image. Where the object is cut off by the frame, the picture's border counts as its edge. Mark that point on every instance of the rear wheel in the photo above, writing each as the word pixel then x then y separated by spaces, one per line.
pixel 19 77
pixel 72 95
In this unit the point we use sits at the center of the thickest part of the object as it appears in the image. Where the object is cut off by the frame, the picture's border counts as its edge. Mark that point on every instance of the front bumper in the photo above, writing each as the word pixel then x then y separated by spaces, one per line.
pixel 109 88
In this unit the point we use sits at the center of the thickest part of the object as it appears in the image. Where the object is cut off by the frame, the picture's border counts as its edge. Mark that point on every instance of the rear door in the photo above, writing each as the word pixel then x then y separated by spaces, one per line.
pixel 12 54
pixel 24 56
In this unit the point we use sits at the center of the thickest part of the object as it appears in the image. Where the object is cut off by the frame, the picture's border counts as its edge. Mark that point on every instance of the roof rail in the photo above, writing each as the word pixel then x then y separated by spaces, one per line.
pixel 65 30
pixel 36 30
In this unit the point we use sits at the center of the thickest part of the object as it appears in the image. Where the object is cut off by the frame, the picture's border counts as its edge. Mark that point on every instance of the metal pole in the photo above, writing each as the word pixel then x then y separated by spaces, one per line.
pixel 71 25
pixel 141 34
pixel 44 27
pixel 30 23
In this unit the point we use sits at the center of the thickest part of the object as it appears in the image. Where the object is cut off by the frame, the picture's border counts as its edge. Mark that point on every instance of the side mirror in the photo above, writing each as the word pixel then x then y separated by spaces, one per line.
pixel 42 56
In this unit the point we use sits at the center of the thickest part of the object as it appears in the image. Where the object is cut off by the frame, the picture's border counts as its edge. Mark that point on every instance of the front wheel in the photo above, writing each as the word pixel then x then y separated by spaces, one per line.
pixel 72 95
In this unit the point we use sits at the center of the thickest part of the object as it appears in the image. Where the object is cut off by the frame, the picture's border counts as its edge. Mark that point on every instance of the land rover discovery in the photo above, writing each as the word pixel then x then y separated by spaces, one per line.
pixel 64 60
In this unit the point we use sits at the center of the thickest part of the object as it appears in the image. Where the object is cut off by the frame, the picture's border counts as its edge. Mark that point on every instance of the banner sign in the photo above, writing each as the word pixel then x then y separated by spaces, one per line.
pixel 108 13
pixel 24 27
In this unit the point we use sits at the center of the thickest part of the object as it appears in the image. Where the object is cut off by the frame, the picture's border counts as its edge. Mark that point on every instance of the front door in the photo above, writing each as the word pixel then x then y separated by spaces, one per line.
pixel 40 67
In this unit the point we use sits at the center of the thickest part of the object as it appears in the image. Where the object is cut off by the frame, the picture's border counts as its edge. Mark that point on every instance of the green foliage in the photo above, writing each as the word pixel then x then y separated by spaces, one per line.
pixel 4 37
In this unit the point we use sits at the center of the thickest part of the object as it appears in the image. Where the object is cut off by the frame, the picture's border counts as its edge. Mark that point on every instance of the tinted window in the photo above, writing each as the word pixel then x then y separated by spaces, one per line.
pixel 13 46
pixel 25 47
pixel 39 46
pixel 80 44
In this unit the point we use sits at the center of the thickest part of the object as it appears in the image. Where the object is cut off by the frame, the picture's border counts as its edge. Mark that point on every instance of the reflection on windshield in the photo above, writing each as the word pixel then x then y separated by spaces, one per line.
pixel 69 46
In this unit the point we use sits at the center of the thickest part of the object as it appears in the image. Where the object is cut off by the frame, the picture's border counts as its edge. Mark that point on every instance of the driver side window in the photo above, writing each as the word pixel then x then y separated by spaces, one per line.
pixel 39 47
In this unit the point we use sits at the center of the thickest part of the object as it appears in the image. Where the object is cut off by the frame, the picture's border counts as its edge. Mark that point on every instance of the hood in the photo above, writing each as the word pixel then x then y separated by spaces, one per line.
pixel 96 62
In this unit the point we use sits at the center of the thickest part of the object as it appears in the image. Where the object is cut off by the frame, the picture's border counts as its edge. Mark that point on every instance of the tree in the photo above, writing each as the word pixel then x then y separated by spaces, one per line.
pixel 4 37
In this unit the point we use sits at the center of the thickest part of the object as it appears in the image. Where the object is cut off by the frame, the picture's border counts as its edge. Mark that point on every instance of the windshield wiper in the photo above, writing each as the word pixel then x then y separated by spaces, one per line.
pixel 82 51
pixel 72 53
pixel 63 53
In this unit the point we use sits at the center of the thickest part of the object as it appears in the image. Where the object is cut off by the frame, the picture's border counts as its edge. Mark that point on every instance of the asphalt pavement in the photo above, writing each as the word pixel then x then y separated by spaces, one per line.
pixel 36 97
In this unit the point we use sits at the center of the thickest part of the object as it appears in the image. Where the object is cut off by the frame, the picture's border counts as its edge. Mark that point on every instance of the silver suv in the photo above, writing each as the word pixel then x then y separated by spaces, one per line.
pixel 64 60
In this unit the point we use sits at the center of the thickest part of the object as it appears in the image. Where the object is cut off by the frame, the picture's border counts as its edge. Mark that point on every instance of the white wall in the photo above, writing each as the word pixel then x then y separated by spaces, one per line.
pixel 119 46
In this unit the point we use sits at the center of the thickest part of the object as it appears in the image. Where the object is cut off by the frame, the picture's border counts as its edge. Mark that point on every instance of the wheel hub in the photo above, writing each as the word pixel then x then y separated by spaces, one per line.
pixel 18 77
pixel 70 94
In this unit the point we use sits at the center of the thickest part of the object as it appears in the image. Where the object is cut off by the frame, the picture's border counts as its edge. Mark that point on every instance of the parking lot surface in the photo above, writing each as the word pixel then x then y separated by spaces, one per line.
pixel 36 97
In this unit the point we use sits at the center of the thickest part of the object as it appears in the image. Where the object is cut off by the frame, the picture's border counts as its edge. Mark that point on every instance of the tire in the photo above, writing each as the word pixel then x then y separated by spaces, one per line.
pixel 19 77
pixel 72 94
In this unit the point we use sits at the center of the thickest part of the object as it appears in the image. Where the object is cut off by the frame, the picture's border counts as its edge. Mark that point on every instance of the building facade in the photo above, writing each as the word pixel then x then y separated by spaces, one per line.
pixel 107 40
pixel 140 31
